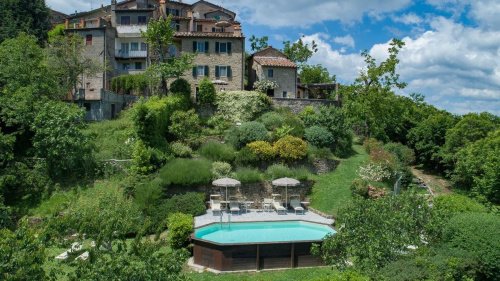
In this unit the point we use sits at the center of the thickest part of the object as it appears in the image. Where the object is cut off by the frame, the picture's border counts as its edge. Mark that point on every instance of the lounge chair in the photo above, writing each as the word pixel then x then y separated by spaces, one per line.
pixel 234 206
pixel 267 204
pixel 215 206
pixel 278 207
pixel 295 204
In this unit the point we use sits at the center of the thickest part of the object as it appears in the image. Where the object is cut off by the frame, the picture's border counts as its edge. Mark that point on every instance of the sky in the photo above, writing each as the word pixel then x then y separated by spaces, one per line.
pixel 451 53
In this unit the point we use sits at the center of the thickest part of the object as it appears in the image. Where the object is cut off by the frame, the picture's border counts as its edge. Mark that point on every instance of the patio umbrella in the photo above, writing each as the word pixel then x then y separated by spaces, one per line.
pixel 226 182
pixel 286 182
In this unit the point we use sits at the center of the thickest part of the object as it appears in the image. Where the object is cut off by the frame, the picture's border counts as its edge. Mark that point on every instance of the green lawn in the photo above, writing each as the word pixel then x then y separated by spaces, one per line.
pixel 331 191
pixel 318 273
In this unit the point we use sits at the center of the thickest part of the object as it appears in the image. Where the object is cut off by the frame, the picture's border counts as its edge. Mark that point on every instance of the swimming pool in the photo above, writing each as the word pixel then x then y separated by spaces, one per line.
pixel 258 245
pixel 263 232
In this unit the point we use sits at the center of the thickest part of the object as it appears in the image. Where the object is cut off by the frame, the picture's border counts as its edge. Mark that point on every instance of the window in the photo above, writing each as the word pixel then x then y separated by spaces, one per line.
pixel 200 47
pixel 88 40
pixel 138 65
pixel 144 46
pixel 124 50
pixel 217 29
pixel 125 66
pixel 172 50
pixel 173 12
pixel 175 25
pixel 134 46
pixel 285 94
pixel 200 70
pixel 223 47
pixel 141 19
pixel 125 20
pixel 270 73
pixel 87 106
pixel 223 71
pixel 199 28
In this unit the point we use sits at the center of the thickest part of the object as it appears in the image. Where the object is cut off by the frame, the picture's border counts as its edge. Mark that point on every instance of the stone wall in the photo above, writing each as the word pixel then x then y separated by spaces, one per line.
pixel 297 105
pixel 286 78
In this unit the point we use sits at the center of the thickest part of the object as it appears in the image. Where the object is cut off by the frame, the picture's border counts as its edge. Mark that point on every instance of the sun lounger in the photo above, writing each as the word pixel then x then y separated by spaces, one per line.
pixel 295 204
pixel 234 206
pixel 267 205
pixel 278 207
pixel 215 206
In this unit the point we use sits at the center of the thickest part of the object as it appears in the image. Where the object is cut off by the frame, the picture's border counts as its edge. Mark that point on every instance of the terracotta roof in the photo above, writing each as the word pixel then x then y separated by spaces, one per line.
pixel 207 34
pixel 274 61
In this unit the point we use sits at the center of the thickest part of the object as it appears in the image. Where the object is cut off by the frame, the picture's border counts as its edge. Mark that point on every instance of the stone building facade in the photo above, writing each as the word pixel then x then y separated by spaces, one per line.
pixel 270 64
pixel 112 36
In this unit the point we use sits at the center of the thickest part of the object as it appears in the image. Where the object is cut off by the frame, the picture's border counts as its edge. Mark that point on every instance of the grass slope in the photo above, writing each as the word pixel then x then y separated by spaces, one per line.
pixel 331 191
pixel 318 273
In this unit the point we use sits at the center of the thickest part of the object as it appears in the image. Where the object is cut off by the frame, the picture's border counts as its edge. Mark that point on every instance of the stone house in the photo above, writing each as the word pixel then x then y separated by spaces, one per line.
pixel 271 64
pixel 112 36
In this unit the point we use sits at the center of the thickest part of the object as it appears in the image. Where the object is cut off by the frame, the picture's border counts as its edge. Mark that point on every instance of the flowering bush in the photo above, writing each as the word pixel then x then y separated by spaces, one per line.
pixel 262 149
pixel 374 172
pixel 181 150
pixel 221 170
pixel 291 148
pixel 241 106
pixel 264 85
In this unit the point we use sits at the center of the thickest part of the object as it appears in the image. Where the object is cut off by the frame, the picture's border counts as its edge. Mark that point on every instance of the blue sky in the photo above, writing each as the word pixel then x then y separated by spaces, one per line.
pixel 452 51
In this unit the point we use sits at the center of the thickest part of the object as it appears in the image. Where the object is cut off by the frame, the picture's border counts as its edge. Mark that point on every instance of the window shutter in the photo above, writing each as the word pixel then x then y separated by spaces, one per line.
pixel 206 70
pixel 229 47
pixel 217 71
pixel 194 46
pixel 195 72
pixel 217 47
pixel 206 46
pixel 229 71
pixel 177 12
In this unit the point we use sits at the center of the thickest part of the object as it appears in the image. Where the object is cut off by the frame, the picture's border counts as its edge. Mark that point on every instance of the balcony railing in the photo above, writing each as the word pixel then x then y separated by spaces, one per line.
pixel 131 54
pixel 130 30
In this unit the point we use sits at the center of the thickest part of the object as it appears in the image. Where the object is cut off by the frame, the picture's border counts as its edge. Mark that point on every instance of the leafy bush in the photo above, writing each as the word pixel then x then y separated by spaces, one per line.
pixel 248 175
pixel 181 86
pixel 291 148
pixel 262 149
pixel 371 144
pixel 141 158
pixel 186 172
pixel 272 120
pixel 190 203
pixel 124 84
pixel 152 117
pixel 184 124
pixel 148 196
pixel 218 124
pixel 217 151
pixel 283 122
pixel 277 171
pixel 360 187
pixel 301 173
pixel 180 226
pixel 221 170
pixel 241 106
pixel 404 154
pixel 314 153
pixel 181 150
pixel 246 157
pixel 247 133
pixel 5 216
pixel 318 136
pixel 456 203
pixel 206 92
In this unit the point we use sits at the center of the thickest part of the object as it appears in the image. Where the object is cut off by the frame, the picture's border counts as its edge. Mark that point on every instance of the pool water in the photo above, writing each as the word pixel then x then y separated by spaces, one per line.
pixel 263 232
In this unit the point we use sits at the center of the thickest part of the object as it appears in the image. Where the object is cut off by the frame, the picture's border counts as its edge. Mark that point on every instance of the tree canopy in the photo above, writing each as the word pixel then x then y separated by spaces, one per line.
pixel 31 17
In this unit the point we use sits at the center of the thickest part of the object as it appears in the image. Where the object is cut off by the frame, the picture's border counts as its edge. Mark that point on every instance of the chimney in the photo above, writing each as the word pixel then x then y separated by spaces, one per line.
pixel 113 13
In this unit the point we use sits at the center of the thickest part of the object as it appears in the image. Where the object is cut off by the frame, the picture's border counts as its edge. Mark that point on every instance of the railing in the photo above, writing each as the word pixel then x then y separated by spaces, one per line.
pixel 131 54
pixel 130 30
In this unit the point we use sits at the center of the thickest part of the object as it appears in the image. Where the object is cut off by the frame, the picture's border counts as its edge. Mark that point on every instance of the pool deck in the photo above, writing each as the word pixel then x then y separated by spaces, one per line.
pixel 258 215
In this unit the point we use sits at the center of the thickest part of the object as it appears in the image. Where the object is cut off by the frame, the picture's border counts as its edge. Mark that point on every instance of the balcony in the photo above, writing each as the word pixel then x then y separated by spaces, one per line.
pixel 125 31
pixel 131 54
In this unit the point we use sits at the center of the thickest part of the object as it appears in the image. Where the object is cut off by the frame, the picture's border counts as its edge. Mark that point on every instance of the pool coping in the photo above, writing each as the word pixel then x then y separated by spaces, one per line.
pixel 261 243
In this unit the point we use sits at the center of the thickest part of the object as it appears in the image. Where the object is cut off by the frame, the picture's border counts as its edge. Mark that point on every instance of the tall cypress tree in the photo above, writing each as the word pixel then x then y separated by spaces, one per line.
pixel 29 16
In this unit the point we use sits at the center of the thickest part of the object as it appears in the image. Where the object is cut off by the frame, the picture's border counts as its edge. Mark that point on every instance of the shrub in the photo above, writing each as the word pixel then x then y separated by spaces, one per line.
pixel 247 133
pixel 148 197
pixel 124 84
pixel 314 153
pixel 186 172
pixel 264 85
pixel 191 203
pixel 360 187
pixel 221 170
pixel 318 136
pixel 246 157
pixel 291 148
pixel 371 144
pixel 248 175
pixel 218 124
pixel 291 120
pixel 262 149
pixel 456 203
pixel 272 120
pixel 181 150
pixel 180 226
pixel 206 92
pixel 241 106
pixel 277 171
pixel 142 157
pixel 217 151
pixel 301 173
pixel 374 172
pixel 181 86
pixel 404 154
pixel 184 124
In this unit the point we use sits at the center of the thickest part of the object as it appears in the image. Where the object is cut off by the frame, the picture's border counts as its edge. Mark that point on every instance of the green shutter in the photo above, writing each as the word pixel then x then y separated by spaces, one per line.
pixel 206 70
pixel 217 47
pixel 229 47
pixel 229 71
pixel 195 72
pixel 194 46
pixel 206 46
pixel 217 71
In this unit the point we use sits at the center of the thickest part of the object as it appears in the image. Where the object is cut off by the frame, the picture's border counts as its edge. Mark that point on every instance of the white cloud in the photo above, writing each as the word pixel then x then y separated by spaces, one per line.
pixel 484 12
pixel 408 19
pixel 345 40
pixel 455 67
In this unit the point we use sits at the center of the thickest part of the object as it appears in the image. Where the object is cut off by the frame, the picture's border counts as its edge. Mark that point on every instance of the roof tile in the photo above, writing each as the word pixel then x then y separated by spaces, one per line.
pixel 275 61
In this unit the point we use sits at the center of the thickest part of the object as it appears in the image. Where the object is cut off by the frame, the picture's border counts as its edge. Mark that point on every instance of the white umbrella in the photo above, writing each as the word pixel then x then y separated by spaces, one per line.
pixel 286 182
pixel 226 182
